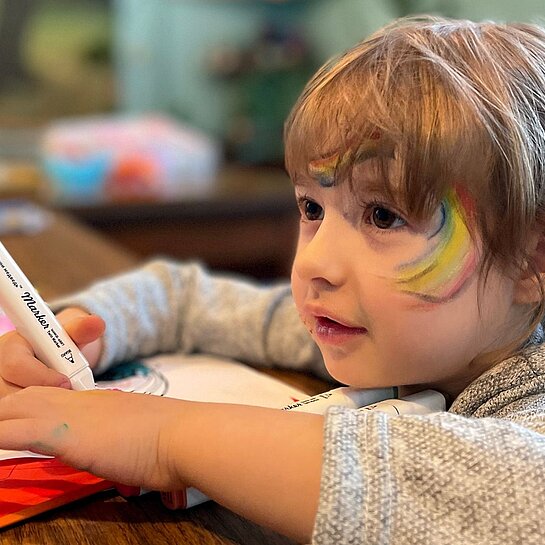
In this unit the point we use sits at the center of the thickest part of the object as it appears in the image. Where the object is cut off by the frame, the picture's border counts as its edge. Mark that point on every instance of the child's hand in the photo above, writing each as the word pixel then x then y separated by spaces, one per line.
pixel 19 368
pixel 264 464
pixel 120 436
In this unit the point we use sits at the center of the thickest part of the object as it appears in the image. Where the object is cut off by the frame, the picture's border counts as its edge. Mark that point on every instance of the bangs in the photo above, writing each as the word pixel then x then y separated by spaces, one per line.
pixel 422 131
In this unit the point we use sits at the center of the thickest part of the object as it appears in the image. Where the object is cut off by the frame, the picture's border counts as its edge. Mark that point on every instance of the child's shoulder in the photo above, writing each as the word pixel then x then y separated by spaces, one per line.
pixel 513 387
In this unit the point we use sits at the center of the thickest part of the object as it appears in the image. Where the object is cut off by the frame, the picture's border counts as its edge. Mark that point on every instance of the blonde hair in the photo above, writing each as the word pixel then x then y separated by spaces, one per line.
pixel 462 102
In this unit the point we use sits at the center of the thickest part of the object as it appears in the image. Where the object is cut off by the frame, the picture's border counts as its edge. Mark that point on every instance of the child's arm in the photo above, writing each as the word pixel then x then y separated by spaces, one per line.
pixel 264 464
pixel 167 306
pixel 385 479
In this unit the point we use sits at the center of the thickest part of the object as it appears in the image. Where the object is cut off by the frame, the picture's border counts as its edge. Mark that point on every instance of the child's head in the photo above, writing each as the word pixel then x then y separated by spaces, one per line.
pixel 435 131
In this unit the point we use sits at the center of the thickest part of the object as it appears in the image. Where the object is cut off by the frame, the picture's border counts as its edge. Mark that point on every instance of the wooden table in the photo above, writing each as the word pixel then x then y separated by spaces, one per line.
pixel 64 258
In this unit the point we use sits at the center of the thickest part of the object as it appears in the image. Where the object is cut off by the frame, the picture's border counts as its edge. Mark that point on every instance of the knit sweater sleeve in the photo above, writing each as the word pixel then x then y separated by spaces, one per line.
pixel 166 306
pixel 436 479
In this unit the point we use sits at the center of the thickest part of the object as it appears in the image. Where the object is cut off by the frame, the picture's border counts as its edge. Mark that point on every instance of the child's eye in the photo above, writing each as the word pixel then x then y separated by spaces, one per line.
pixel 382 218
pixel 311 210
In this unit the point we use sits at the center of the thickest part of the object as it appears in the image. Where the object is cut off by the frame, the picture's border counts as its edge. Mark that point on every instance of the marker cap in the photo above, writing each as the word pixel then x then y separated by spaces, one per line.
pixel 83 380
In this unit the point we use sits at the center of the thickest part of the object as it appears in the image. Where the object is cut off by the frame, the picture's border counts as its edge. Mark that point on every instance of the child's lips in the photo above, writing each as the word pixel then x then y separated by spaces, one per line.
pixel 333 332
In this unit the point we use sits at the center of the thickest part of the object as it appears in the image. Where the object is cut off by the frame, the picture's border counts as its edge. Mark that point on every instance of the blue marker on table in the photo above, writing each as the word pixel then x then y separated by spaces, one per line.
pixel 34 320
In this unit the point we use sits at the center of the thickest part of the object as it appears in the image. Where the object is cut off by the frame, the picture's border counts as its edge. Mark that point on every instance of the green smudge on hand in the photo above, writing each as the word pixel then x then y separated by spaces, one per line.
pixel 44 447
pixel 59 431
pixel 41 448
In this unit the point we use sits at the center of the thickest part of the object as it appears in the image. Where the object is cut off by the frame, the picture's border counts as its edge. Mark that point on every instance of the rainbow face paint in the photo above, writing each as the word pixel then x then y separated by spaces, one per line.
pixel 325 169
pixel 441 273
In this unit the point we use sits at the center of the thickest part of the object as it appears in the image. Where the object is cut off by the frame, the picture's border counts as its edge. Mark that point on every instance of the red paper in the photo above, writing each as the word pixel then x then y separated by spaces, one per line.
pixel 30 486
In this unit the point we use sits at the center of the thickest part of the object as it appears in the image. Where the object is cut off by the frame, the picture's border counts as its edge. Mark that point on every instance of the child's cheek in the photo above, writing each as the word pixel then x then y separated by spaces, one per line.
pixel 298 290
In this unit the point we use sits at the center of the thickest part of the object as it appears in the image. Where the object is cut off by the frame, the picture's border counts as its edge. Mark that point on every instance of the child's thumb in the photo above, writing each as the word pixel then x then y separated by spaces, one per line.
pixel 85 330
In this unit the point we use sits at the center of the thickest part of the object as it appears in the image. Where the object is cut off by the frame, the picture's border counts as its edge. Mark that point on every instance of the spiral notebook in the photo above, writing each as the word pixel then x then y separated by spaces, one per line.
pixel 31 484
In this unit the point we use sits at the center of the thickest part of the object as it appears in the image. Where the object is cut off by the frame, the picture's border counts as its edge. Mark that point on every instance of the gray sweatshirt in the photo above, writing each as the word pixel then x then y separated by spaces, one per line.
pixel 472 475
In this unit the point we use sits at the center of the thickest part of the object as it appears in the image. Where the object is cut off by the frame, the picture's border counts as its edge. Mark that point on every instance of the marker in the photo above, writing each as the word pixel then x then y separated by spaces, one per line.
pixel 345 396
pixel 425 402
pixel 33 320
pixel 183 499
pixel 380 399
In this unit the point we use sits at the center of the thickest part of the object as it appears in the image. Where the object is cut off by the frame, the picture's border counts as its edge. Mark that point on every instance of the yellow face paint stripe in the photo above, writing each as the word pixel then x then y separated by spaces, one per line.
pixel 441 273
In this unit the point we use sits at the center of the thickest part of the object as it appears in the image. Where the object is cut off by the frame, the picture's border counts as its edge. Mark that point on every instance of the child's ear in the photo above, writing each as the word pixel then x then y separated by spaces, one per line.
pixel 529 289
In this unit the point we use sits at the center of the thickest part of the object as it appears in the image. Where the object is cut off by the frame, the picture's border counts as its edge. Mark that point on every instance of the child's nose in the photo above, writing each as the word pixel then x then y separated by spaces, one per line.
pixel 323 258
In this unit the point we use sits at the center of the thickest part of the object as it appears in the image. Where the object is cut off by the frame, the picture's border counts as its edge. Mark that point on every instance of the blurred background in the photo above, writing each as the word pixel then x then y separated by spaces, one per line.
pixel 159 122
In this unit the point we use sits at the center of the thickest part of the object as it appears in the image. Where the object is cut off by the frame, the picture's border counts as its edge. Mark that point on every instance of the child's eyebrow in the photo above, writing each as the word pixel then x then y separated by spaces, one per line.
pixel 373 184
pixel 324 169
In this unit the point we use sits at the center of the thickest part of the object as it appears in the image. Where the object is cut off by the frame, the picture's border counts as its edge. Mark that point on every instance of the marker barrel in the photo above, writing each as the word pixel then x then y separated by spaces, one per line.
pixel 34 320
pixel 345 396
pixel 425 402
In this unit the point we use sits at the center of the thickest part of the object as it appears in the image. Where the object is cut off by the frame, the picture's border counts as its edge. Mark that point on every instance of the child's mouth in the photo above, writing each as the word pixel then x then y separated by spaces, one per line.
pixel 333 332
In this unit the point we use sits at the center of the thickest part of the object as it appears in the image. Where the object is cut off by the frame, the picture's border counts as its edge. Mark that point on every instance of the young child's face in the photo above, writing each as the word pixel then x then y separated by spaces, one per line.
pixel 390 301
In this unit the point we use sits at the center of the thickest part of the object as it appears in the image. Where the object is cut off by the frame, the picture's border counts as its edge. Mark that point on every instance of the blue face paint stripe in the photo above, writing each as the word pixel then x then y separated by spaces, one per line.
pixel 442 222
pixel 446 227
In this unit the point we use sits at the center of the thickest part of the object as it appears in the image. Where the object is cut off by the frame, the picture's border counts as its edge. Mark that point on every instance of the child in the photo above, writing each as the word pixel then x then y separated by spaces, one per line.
pixel 417 161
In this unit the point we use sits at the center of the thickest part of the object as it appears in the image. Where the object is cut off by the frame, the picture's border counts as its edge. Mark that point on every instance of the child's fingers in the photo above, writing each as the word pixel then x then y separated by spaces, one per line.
pixel 33 402
pixel 20 434
pixel 32 372
pixel 82 327
pixel 21 368
pixel 86 330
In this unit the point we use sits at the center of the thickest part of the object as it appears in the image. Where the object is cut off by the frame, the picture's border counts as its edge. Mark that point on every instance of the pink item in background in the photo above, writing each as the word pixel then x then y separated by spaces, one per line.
pixel 5 324
pixel 124 158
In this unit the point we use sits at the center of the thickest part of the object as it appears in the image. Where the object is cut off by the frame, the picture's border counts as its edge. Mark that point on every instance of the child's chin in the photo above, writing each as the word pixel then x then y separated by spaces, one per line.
pixel 354 375
pixel 346 374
